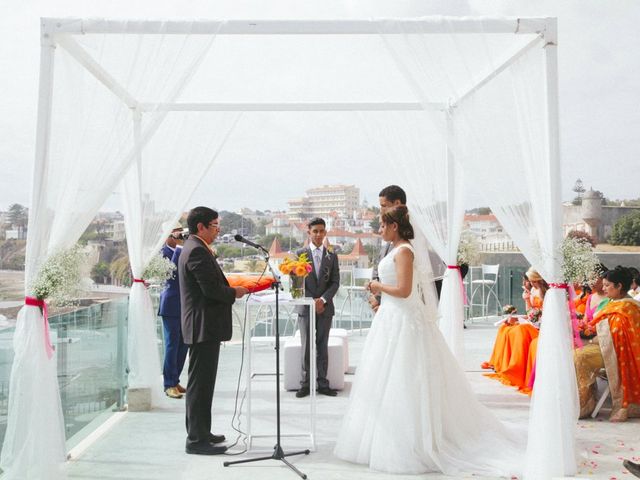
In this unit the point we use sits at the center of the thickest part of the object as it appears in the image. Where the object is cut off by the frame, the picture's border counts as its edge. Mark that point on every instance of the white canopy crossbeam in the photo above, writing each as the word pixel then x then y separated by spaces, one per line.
pixel 299 27
pixel 499 69
pixel 85 59
pixel 290 106
pixel 550 446
pixel 62 29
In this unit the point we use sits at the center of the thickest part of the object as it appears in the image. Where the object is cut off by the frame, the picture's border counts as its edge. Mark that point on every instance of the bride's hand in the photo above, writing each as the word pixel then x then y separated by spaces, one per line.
pixel 375 287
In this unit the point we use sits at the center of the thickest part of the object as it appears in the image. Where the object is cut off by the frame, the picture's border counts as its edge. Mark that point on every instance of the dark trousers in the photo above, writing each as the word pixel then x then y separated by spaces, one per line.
pixel 175 351
pixel 203 366
pixel 323 325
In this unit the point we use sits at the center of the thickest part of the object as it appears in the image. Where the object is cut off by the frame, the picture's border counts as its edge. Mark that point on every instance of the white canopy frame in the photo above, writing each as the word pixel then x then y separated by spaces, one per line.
pixel 60 32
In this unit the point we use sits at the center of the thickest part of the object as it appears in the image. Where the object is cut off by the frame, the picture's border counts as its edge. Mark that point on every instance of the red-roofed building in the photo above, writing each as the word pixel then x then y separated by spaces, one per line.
pixel 275 251
pixel 281 225
pixel 482 224
pixel 358 258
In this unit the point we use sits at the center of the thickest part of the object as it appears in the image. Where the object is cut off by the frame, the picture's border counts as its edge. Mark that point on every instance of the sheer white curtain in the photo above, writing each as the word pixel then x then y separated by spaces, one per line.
pixel 157 189
pixel 495 85
pixel 433 182
pixel 84 146
pixel 524 200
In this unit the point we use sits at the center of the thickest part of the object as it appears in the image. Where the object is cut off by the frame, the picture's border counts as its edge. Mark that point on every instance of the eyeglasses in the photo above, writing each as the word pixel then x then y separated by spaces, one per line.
pixel 214 225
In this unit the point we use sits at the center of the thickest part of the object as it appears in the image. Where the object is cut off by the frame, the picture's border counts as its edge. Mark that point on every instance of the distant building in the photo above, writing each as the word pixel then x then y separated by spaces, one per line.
pixel 281 225
pixel 592 217
pixel 489 233
pixel 482 224
pixel 342 237
pixel 358 258
pixel 323 201
pixel 115 230
pixel 12 234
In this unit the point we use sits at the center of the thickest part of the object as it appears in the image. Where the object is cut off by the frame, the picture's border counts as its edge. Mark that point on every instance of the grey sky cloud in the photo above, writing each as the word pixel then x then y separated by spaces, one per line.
pixel 599 94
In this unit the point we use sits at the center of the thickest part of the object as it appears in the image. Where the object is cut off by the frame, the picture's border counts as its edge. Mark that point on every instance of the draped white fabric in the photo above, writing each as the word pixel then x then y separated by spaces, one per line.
pixel 429 176
pixel 524 198
pixel 84 147
pixel 441 68
pixel 492 123
pixel 157 189
pixel 495 88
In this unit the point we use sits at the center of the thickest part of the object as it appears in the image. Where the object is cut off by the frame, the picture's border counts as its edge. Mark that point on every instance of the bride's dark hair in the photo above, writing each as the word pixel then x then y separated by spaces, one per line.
pixel 399 215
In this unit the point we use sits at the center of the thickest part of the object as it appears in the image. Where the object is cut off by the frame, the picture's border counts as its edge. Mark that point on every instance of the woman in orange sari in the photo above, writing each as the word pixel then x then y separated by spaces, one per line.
pixel 592 301
pixel 617 350
pixel 500 346
pixel 514 368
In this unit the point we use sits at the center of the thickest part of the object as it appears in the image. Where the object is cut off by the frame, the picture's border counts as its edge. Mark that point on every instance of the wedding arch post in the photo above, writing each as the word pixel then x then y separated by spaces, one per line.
pixel 58 31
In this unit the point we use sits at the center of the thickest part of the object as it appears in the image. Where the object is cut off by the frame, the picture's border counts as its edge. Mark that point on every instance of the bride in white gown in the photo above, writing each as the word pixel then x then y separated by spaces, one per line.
pixel 412 409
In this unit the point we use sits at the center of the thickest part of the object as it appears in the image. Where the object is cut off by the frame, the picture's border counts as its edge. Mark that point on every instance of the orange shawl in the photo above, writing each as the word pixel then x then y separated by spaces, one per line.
pixel 624 323
pixel 253 283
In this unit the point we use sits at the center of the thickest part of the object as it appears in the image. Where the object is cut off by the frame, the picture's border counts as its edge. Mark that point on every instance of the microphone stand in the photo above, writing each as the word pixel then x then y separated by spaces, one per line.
pixel 278 452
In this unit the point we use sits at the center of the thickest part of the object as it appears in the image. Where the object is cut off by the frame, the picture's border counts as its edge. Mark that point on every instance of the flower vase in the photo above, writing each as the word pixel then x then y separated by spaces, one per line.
pixel 296 286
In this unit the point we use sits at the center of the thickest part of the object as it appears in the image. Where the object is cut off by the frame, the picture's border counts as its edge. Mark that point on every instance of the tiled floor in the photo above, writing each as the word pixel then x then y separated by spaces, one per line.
pixel 151 445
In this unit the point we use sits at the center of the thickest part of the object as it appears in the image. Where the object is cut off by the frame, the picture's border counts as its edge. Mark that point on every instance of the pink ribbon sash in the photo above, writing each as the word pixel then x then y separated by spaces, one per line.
pixel 462 290
pixel 35 302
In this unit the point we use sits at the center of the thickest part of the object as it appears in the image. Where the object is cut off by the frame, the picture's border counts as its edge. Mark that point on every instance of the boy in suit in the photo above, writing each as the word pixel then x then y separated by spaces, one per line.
pixel 321 285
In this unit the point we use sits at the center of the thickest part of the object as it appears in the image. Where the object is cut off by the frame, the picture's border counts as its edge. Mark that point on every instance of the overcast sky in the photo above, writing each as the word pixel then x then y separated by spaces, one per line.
pixel 599 93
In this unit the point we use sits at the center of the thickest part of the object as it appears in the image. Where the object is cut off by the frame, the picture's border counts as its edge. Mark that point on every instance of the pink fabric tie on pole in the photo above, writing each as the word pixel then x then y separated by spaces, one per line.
pixel 572 309
pixel 35 302
pixel 464 292
pixel 577 342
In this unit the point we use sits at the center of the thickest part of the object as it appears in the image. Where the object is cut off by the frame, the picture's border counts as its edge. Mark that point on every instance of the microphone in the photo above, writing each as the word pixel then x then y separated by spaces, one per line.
pixel 241 239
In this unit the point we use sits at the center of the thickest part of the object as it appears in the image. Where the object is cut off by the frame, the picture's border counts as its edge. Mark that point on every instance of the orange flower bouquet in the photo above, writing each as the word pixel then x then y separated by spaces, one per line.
pixel 297 269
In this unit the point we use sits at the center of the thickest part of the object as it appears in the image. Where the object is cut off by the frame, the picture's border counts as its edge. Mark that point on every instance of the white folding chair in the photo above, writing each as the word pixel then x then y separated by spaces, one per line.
pixel 602 375
pixel 359 276
pixel 488 287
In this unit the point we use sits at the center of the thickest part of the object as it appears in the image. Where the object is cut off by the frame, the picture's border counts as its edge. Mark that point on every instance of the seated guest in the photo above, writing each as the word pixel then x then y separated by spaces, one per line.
pixel 596 299
pixel 634 291
pixel 617 350
pixel 495 362
pixel 514 367
pixel 593 301
pixel 581 298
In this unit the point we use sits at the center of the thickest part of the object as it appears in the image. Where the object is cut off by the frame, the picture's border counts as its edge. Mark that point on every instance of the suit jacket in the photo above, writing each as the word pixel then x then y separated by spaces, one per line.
pixel 385 248
pixel 205 295
pixel 170 296
pixel 327 285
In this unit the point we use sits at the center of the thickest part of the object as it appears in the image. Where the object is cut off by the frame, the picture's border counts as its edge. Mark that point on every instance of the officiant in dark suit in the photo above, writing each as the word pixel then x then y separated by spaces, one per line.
pixel 206 299
pixel 321 285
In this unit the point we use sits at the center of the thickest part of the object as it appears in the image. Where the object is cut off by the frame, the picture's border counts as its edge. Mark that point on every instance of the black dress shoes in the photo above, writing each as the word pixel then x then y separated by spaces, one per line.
pixel 634 468
pixel 204 448
pixel 303 392
pixel 329 392
pixel 216 438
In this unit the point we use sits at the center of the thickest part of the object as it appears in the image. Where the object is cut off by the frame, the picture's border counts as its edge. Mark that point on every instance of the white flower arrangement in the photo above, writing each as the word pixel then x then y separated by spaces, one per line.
pixel 580 263
pixel 468 249
pixel 59 278
pixel 159 270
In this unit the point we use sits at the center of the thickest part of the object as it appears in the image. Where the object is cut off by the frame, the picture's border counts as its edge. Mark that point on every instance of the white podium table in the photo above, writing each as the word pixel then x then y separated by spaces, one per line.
pixel 284 299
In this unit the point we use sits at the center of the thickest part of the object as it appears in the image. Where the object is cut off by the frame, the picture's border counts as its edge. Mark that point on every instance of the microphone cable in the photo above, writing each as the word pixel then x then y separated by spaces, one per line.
pixel 237 410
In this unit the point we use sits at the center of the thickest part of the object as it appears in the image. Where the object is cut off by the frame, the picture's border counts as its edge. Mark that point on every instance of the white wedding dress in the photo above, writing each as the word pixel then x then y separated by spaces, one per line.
pixel 412 409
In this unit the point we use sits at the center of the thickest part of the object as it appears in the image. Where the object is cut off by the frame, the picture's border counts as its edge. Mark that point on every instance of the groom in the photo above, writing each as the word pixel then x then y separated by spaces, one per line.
pixel 321 285
pixel 389 197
